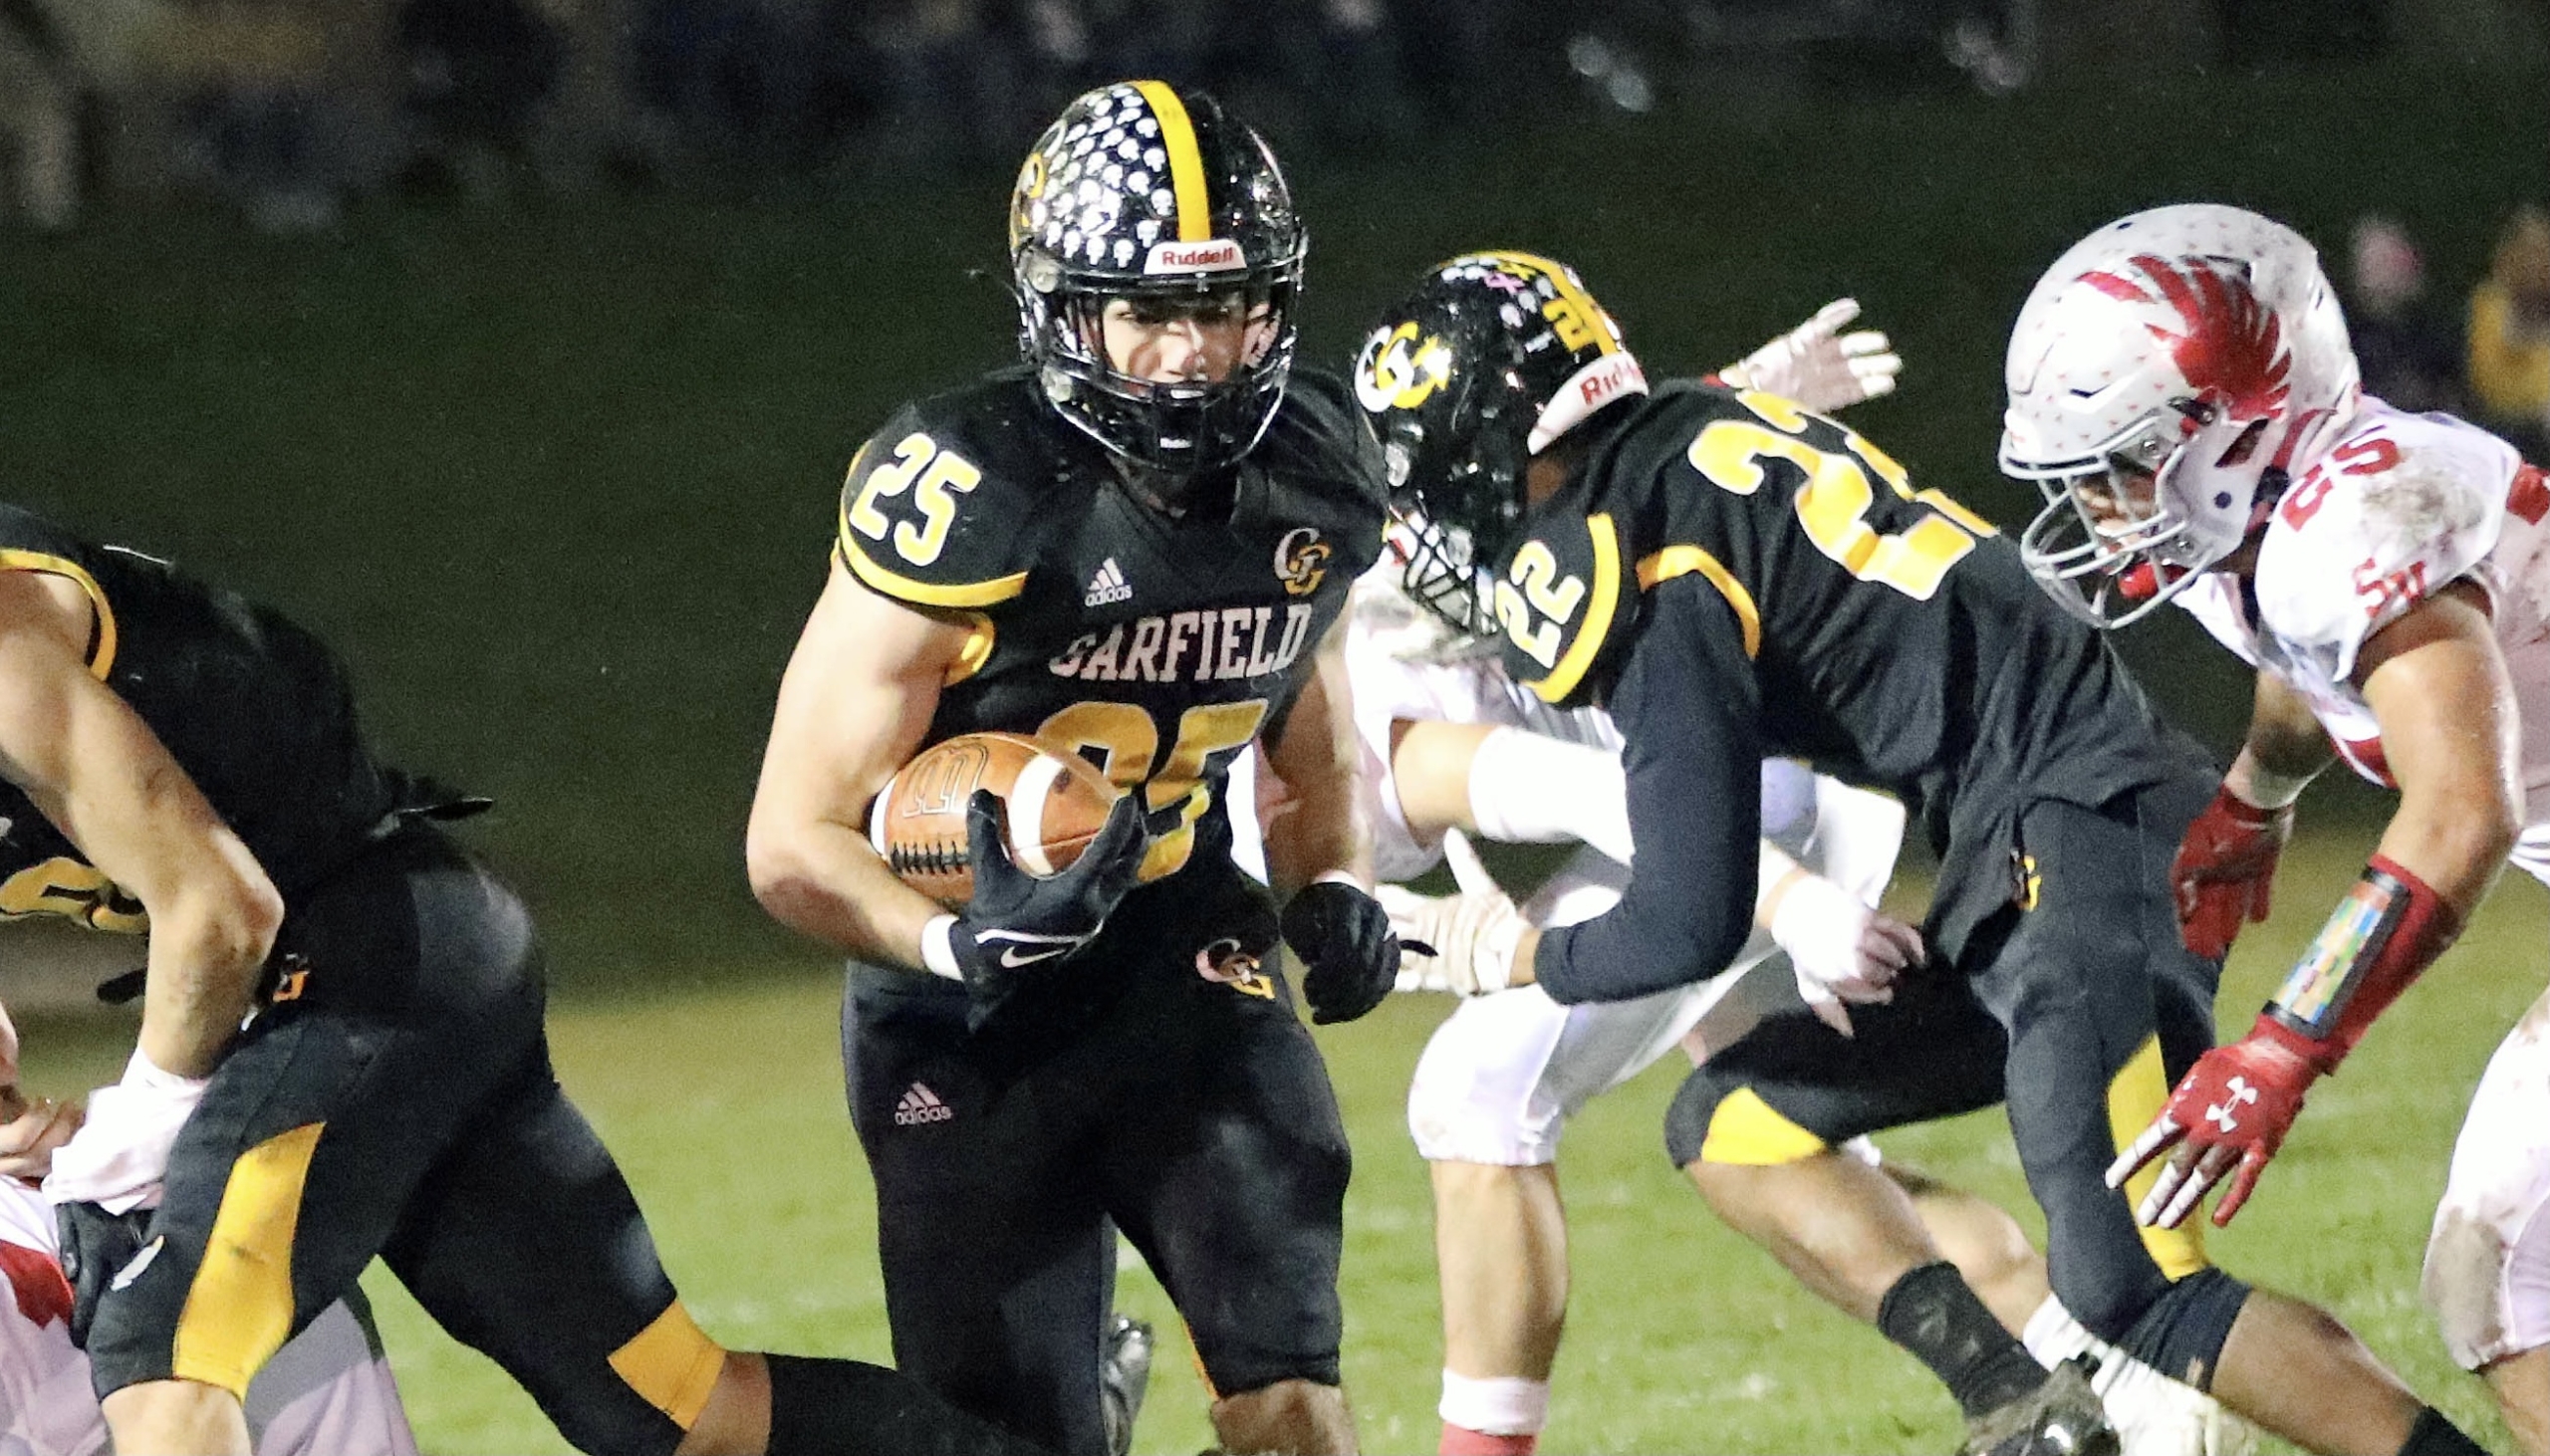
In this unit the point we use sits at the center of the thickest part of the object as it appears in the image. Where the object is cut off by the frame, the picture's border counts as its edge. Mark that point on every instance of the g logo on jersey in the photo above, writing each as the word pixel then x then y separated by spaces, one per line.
pixel 1301 561
pixel 1396 372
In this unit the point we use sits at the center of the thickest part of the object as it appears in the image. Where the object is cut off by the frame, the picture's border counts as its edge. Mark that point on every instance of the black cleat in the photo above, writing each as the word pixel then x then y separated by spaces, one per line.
pixel 1123 1377
pixel 2061 1417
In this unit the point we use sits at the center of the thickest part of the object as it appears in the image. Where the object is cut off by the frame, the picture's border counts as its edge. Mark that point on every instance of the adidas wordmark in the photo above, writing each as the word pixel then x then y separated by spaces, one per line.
pixel 1108 586
pixel 919 1105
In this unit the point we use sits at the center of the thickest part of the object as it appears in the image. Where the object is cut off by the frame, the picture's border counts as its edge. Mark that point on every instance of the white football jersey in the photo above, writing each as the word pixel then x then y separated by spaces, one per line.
pixel 2397 508
pixel 325 1393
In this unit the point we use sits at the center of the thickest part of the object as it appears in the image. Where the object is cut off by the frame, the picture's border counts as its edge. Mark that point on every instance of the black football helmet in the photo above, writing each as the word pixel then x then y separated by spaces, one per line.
pixel 1492 357
pixel 1140 191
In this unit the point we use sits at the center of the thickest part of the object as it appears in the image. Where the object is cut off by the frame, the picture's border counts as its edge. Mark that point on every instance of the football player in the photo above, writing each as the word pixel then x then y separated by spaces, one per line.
pixel 1134 544
pixel 2181 388
pixel 328 1393
pixel 1734 577
pixel 1452 743
pixel 179 763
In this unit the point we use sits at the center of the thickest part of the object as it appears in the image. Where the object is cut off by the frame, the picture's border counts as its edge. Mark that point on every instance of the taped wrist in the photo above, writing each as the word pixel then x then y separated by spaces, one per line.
pixel 938 948
pixel 2383 934
pixel 1527 788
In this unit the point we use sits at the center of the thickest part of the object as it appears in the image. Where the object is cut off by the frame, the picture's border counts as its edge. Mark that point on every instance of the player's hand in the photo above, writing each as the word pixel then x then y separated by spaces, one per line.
pixel 2229 1116
pixel 1349 953
pixel 1819 369
pixel 31 1132
pixel 96 1247
pixel 1464 943
pixel 2223 869
pixel 1841 949
pixel 1017 922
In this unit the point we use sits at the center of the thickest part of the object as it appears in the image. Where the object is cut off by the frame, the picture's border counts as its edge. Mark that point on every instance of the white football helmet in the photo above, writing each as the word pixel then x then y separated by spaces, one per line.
pixel 2167 376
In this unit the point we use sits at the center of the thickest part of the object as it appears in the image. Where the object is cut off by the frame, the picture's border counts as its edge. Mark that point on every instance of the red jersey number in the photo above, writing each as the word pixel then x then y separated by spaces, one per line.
pixel 2384 589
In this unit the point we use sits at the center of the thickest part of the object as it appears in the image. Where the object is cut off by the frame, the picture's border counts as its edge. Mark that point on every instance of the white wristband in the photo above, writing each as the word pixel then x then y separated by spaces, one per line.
pixel 938 950
pixel 1340 877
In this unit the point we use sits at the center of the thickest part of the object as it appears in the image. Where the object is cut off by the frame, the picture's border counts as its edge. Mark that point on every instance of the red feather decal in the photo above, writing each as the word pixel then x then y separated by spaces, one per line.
pixel 2233 350
pixel 2115 287
pixel 43 1295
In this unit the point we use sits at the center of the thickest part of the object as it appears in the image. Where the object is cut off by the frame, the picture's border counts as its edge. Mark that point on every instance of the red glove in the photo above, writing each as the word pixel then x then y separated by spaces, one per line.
pixel 2233 1108
pixel 2223 869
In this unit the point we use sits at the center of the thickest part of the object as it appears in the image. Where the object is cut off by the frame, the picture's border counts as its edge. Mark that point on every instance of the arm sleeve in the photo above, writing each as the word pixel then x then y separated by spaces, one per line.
pixel 1687 704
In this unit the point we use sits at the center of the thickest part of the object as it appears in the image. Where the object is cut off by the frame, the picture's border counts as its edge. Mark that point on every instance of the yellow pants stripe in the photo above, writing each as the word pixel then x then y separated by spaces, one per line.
pixel 238 1311
pixel 2135 1096
pixel 672 1366
pixel 1747 1131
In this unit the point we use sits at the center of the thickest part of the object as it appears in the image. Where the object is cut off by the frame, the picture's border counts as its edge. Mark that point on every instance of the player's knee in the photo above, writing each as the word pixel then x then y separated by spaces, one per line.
pixel 2180 1333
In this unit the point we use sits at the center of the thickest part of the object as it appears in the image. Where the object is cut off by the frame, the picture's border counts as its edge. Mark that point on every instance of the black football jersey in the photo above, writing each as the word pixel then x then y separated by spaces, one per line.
pixel 1737 577
pixel 253 708
pixel 1157 645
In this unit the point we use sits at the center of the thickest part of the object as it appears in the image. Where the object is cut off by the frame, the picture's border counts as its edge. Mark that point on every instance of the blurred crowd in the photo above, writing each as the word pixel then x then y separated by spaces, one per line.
pixel 289 108
pixel 2489 361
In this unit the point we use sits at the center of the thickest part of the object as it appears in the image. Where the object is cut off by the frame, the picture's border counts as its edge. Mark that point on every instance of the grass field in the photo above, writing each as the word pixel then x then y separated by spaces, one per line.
pixel 720 1090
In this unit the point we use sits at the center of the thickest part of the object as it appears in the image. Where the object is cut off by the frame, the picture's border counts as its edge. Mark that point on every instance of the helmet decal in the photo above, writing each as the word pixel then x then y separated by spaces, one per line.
pixel 2167 376
pixel 1396 372
pixel 1492 357
pixel 2232 352
pixel 1185 163
pixel 1141 191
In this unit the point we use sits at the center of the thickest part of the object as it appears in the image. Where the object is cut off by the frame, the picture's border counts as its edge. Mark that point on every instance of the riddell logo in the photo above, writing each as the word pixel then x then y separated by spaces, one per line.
pixel 919 1105
pixel 1598 385
pixel 1218 256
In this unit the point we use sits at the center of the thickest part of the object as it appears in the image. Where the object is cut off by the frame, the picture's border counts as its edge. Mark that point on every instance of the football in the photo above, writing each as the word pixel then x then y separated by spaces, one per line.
pixel 1056 801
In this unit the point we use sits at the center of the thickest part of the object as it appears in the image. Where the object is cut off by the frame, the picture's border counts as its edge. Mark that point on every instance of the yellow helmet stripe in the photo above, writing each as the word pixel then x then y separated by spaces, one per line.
pixel 1185 163
pixel 1568 290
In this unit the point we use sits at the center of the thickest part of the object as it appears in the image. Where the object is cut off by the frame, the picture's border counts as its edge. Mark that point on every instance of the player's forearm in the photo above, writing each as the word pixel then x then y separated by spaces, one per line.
pixel 2284 750
pixel 2437 686
pixel 823 880
pixel 1317 756
pixel 1325 833
pixel 208 947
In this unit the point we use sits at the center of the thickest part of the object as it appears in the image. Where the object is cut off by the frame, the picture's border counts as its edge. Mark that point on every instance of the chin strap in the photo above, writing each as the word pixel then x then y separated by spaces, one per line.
pixel 2389 927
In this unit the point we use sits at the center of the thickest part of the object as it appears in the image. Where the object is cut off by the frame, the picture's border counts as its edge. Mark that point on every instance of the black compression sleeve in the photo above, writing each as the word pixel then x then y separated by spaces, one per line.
pixel 1687 704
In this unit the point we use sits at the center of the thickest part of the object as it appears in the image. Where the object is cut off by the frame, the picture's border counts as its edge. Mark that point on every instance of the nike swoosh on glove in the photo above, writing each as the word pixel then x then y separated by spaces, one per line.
pixel 1018 922
pixel 1350 955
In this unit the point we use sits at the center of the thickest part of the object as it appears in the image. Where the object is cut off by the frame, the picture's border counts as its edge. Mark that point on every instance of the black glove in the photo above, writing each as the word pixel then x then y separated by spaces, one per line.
pixel 1016 921
pixel 96 1246
pixel 1348 954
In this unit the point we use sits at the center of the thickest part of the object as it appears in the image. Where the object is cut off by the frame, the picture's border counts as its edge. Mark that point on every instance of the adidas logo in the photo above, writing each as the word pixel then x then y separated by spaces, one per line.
pixel 919 1105
pixel 1109 586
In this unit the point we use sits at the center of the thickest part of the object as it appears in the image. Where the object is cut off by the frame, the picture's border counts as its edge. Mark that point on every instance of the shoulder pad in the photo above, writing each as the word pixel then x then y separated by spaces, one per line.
pixel 936 504
pixel 1562 602
pixel 2396 510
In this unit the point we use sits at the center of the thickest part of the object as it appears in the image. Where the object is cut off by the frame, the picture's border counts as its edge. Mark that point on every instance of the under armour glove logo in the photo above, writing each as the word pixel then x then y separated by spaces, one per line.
pixel 2235 1096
